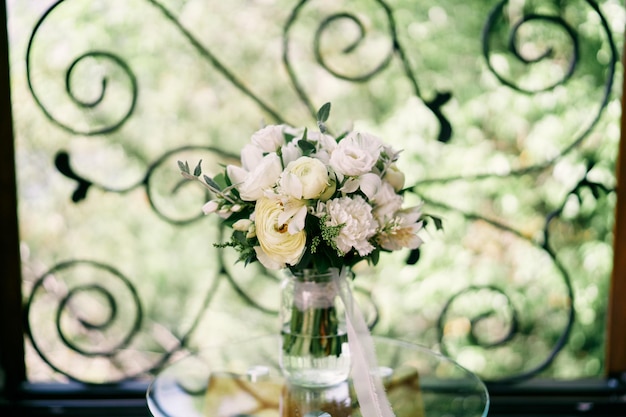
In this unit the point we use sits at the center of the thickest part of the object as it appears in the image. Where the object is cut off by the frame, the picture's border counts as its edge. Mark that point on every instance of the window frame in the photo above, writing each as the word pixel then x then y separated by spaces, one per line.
pixel 605 396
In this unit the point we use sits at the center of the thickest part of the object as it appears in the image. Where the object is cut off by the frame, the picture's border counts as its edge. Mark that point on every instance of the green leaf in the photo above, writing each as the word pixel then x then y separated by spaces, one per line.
pixel 323 113
pixel 307 147
pixel 288 137
pixel 221 180
pixel 437 221
pixel 198 169
pixel 212 183
pixel 182 167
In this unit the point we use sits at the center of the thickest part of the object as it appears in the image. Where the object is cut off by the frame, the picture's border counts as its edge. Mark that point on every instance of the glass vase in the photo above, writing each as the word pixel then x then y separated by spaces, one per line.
pixel 314 344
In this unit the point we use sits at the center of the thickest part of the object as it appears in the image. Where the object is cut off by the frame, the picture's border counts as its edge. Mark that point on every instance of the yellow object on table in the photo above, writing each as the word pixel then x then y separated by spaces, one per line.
pixel 231 395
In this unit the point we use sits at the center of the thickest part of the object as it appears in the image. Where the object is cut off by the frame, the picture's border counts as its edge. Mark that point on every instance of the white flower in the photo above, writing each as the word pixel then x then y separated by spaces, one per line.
pixel 210 207
pixel 356 154
pixel 252 184
pixel 358 223
pixel 324 147
pixel 401 231
pixel 306 178
pixel 242 225
pixel 269 138
pixel 277 246
pixel 368 183
pixel 294 214
pixel 213 206
pixel 290 152
pixel 386 203
pixel 251 156
pixel 395 177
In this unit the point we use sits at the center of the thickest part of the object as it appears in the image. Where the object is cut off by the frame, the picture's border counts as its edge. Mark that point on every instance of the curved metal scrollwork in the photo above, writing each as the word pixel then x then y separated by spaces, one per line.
pixel 84 104
pixel 81 335
pixel 87 318
pixel 505 316
pixel 435 104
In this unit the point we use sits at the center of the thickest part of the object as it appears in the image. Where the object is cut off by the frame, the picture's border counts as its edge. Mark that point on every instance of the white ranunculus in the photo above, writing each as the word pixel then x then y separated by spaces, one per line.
pixel 395 177
pixel 356 154
pixel 269 138
pixel 252 184
pixel 266 261
pixel 355 214
pixel 401 231
pixel 305 178
pixel 276 243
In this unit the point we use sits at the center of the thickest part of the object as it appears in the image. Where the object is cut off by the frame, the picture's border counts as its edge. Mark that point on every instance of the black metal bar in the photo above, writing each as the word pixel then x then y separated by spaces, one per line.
pixel 11 332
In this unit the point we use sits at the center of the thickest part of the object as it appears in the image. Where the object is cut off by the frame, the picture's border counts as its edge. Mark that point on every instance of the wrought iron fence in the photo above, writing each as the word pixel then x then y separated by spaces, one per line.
pixel 505 110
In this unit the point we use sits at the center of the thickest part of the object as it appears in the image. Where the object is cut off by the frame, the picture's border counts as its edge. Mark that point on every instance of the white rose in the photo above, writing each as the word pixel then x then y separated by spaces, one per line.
pixel 269 138
pixel 356 154
pixel 276 243
pixel 305 178
pixel 358 223
pixel 252 184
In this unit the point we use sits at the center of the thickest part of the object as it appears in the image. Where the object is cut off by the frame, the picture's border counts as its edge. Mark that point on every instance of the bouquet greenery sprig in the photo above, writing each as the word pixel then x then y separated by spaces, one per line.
pixel 307 200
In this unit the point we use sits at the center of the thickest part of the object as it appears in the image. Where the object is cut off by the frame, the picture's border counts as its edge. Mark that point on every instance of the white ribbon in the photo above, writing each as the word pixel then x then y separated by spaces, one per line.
pixel 366 377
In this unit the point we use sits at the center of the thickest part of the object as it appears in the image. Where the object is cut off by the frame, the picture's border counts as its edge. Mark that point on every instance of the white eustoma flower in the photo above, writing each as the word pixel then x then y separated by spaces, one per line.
pixel 252 184
pixel 401 231
pixel 356 154
pixel 355 214
pixel 269 138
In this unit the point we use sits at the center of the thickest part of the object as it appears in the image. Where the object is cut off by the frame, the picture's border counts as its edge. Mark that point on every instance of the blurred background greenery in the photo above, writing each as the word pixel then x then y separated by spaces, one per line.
pixel 525 184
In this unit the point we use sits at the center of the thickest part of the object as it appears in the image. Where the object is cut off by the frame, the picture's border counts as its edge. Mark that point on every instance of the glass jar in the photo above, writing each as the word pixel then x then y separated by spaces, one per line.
pixel 314 348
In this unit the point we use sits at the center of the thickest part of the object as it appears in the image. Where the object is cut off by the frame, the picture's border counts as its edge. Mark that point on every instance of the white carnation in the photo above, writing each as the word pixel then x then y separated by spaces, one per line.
pixel 358 223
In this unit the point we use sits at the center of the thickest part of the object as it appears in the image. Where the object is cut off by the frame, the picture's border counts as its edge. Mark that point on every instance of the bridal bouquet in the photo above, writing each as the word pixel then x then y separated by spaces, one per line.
pixel 315 204
pixel 307 200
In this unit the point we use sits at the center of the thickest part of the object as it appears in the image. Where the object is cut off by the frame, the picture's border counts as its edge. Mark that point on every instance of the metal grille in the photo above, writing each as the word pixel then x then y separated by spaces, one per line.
pixel 505 111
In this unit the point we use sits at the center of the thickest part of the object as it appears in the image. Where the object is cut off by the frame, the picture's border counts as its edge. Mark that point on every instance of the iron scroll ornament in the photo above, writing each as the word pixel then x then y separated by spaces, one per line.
pixel 63 161
pixel 595 188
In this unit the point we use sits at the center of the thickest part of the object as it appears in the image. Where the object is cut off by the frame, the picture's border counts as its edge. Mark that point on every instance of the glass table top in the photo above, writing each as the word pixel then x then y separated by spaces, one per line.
pixel 244 379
